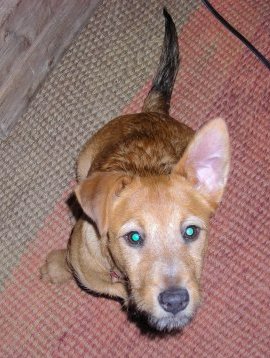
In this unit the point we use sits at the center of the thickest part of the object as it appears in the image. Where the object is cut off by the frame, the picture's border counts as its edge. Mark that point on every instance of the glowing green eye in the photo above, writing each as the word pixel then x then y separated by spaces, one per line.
pixel 191 232
pixel 134 238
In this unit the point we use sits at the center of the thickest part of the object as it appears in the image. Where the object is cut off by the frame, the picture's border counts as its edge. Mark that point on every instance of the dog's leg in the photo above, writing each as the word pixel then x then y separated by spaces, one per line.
pixel 103 286
pixel 55 269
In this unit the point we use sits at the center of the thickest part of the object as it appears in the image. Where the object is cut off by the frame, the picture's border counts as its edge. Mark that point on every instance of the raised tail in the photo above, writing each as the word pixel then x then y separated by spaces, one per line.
pixel 159 96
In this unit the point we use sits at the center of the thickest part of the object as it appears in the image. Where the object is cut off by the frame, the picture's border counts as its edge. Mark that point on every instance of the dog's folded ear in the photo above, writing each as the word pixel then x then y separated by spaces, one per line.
pixel 96 193
pixel 205 162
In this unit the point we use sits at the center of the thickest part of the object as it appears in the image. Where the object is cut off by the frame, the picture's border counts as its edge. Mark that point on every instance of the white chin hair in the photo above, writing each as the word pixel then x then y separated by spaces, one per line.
pixel 169 323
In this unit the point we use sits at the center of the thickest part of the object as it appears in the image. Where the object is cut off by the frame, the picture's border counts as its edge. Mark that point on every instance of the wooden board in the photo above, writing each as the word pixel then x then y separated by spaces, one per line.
pixel 33 36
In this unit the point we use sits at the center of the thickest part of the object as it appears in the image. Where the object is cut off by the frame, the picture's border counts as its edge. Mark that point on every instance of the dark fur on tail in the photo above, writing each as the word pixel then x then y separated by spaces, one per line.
pixel 159 97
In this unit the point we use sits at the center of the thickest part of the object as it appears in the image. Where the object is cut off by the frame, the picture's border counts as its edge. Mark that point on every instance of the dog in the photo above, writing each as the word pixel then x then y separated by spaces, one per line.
pixel 147 185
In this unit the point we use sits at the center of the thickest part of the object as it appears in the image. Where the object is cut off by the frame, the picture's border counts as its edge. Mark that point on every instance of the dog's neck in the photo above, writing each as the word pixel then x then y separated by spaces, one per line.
pixel 116 275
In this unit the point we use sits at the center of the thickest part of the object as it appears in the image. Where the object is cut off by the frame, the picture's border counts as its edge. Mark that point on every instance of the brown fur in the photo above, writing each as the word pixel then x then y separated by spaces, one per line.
pixel 137 144
pixel 137 175
pixel 145 173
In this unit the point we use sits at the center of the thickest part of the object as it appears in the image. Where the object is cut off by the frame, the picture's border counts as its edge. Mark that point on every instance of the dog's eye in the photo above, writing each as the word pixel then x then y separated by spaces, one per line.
pixel 191 233
pixel 134 238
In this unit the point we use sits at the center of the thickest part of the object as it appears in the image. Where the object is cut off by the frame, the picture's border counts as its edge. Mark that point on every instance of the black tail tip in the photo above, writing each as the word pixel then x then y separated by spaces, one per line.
pixel 158 99
pixel 165 11
pixel 166 14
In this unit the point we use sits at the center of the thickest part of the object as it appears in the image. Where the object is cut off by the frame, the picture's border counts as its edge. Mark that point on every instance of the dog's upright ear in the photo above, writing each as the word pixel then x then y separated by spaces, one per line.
pixel 205 162
pixel 96 193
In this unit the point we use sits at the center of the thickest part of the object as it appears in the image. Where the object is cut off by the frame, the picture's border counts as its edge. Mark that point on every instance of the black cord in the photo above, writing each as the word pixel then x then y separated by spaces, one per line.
pixel 225 23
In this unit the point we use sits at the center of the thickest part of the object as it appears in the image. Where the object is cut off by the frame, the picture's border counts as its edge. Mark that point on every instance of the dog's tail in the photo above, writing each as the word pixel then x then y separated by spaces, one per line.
pixel 159 97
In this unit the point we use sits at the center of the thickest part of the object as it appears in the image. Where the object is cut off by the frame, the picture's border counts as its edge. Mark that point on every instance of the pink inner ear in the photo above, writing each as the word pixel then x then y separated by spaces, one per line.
pixel 208 156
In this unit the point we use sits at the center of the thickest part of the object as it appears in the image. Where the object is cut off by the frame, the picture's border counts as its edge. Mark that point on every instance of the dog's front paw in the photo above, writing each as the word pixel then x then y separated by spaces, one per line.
pixel 55 269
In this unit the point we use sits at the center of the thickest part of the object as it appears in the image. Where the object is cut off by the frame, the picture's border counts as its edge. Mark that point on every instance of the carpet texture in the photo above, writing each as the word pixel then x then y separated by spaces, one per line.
pixel 107 72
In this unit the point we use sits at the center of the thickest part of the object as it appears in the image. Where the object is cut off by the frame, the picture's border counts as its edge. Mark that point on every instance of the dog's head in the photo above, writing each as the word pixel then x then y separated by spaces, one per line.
pixel 155 228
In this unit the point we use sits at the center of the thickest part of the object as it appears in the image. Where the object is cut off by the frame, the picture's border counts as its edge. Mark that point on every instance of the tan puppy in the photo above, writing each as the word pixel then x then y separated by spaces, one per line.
pixel 148 186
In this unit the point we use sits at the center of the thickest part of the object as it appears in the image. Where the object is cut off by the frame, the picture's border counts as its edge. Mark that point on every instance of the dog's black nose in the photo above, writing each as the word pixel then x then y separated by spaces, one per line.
pixel 174 300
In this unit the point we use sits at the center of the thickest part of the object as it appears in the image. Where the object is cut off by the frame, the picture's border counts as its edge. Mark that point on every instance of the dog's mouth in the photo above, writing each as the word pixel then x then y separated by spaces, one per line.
pixel 169 323
pixel 149 323
pixel 163 323
pixel 166 310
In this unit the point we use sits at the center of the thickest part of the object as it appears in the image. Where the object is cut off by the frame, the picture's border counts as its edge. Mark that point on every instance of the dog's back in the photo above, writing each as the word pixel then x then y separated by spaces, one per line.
pixel 147 143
